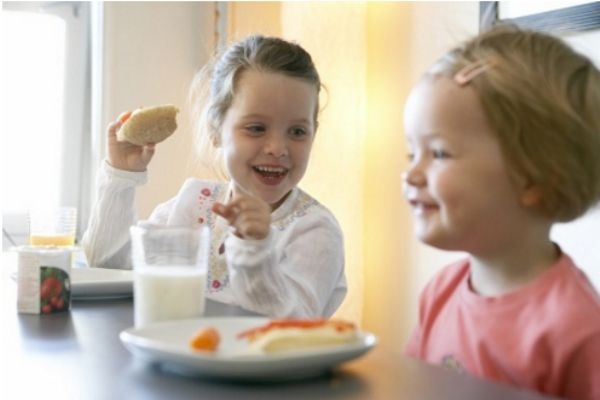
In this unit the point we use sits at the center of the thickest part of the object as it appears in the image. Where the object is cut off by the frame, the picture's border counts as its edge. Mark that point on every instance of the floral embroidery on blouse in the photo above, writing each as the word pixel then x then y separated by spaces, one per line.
pixel 304 203
pixel 218 274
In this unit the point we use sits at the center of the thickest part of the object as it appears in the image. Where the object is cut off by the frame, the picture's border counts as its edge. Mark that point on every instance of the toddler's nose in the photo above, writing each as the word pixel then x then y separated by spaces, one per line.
pixel 414 176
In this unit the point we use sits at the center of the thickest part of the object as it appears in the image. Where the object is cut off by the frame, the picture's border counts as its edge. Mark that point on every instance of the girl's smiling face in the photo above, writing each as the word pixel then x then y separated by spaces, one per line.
pixel 457 183
pixel 267 134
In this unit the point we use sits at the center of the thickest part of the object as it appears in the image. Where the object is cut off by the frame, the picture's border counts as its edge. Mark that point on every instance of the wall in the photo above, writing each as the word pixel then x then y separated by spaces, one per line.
pixel 387 236
pixel 336 170
pixel 249 17
pixel 152 50
pixel 404 39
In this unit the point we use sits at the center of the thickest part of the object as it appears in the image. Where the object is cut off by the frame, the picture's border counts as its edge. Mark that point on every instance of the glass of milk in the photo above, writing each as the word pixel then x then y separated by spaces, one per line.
pixel 170 266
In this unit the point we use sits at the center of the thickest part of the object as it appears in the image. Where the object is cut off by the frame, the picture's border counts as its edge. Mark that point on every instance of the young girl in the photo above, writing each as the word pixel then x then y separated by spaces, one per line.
pixel 504 135
pixel 275 250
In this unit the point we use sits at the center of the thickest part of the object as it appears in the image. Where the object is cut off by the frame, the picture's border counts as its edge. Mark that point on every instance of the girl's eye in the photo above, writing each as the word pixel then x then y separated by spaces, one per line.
pixel 410 156
pixel 298 133
pixel 255 129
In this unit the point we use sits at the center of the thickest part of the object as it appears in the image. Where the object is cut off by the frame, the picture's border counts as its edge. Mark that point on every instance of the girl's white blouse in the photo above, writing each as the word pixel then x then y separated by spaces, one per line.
pixel 297 271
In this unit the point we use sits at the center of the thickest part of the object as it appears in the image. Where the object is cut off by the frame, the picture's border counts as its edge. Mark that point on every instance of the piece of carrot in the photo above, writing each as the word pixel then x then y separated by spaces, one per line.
pixel 125 116
pixel 206 339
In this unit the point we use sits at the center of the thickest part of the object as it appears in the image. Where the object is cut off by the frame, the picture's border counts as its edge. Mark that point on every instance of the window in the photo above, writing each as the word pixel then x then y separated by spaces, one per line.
pixel 45 110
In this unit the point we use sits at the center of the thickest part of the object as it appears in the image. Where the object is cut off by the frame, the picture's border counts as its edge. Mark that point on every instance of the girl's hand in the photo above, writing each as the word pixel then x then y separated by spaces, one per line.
pixel 249 216
pixel 124 155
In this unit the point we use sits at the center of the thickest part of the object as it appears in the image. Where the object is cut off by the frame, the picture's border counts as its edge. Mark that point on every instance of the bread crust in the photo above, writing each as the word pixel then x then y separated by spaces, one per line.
pixel 149 125
pixel 299 335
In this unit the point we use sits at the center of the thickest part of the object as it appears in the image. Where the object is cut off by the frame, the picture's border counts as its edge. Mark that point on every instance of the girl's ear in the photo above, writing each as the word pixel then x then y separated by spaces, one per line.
pixel 215 139
pixel 531 196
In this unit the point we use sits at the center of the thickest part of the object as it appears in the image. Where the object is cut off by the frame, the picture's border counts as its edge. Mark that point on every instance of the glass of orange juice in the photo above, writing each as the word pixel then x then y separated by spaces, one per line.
pixel 52 226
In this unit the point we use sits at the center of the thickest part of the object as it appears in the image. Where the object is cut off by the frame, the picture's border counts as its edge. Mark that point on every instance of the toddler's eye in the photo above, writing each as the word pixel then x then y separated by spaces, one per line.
pixel 441 154
pixel 410 156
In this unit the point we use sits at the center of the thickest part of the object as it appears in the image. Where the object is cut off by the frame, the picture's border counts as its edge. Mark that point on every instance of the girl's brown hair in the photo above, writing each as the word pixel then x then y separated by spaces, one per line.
pixel 214 86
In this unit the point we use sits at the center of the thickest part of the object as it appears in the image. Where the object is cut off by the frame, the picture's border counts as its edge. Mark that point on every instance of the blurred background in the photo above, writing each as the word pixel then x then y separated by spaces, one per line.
pixel 77 65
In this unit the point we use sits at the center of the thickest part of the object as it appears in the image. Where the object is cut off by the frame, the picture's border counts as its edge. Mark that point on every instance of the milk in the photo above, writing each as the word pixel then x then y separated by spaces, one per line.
pixel 168 292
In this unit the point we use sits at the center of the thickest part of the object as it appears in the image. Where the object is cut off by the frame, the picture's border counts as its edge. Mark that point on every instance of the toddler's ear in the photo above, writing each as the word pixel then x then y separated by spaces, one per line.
pixel 531 196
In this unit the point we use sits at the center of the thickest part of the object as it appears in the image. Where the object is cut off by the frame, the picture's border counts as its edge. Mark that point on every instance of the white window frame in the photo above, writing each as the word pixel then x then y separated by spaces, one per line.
pixel 77 138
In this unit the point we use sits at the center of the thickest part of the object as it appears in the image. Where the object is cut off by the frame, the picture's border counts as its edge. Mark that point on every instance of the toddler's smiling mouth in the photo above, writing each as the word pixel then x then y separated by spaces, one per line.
pixel 421 207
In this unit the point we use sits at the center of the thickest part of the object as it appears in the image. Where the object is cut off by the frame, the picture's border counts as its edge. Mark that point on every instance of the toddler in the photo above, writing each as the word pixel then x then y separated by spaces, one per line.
pixel 504 139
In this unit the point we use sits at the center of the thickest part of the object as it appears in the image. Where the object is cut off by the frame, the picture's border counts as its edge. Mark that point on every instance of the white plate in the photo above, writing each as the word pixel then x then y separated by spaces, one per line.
pixel 101 283
pixel 168 343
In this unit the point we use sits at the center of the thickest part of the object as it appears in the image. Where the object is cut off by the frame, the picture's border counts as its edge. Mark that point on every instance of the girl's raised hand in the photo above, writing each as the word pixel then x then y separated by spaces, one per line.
pixel 248 215
pixel 125 155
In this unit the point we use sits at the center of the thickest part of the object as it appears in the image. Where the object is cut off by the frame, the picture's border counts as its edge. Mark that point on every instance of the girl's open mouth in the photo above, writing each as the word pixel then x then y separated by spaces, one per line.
pixel 270 175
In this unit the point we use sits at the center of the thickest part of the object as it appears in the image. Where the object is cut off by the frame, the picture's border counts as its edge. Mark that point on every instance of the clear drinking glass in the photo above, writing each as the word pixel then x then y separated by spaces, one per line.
pixel 52 226
pixel 170 266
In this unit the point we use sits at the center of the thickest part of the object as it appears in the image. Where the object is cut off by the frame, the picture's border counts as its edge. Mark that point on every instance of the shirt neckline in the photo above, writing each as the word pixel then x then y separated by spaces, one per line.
pixel 517 297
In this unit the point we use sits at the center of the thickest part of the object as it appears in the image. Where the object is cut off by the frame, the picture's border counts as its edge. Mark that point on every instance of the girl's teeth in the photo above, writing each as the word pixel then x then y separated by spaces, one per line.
pixel 270 171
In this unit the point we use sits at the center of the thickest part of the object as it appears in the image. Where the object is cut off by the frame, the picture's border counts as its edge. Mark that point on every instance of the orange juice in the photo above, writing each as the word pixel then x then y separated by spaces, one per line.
pixel 52 240
pixel 54 226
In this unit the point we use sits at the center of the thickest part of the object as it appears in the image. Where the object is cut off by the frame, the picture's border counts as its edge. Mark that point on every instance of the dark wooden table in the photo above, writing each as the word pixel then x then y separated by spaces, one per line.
pixel 78 355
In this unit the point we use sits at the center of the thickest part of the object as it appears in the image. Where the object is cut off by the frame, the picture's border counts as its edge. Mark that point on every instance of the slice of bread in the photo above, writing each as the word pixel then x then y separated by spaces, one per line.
pixel 299 335
pixel 149 125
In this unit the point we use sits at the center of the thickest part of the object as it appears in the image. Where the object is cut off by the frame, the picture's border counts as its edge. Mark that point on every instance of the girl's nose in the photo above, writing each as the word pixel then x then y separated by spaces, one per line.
pixel 276 146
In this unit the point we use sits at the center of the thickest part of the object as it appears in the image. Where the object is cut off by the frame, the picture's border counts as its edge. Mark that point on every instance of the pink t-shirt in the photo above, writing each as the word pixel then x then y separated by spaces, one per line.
pixel 544 336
